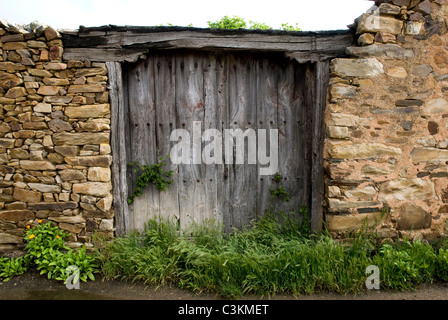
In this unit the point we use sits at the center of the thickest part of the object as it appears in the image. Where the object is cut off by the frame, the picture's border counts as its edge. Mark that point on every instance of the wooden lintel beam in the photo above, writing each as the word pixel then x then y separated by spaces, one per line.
pixel 128 45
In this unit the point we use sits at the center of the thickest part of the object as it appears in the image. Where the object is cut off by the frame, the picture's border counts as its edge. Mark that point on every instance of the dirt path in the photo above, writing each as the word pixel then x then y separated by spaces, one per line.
pixel 32 286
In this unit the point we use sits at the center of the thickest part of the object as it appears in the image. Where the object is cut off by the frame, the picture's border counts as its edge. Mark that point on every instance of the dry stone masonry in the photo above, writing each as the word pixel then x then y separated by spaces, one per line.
pixel 55 153
pixel 386 149
pixel 387 137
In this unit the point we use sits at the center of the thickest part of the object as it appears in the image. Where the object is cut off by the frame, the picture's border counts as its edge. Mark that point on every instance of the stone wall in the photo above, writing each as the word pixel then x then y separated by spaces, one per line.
pixel 386 147
pixel 55 154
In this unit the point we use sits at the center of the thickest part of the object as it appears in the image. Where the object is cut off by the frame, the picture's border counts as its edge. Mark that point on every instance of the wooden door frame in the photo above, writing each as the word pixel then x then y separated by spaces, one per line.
pixel 116 45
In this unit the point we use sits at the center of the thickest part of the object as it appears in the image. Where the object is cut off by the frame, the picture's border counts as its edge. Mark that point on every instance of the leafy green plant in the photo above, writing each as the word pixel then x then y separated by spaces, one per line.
pixel 277 178
pixel 227 22
pixel 44 238
pixel 150 174
pixel 236 22
pixel 12 267
pixel 46 250
pixel 289 27
pixel 168 24
pixel 281 193
pixel 442 264
pixel 258 25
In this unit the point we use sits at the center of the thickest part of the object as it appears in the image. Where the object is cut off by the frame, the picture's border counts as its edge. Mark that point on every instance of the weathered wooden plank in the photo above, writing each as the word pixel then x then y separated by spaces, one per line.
pixel 127 44
pixel 232 203
pixel 118 138
pixel 197 63
pixel 212 39
pixel 223 107
pixel 267 98
pixel 322 76
pixel 287 42
pixel 189 104
pixel 250 117
pixel 165 86
pixel 143 146
pixel 290 137
pixel 214 168
pixel 242 169
pixel 308 91
pixel 102 54
pixel 93 39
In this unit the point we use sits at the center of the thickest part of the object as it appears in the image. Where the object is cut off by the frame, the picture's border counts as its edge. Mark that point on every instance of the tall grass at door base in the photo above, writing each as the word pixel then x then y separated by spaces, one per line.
pixel 266 259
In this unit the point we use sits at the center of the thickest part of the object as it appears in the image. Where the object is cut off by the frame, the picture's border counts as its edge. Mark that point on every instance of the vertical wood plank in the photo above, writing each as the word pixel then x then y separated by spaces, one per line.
pixel 190 108
pixel 118 147
pixel 165 86
pixel 213 116
pixel 242 117
pixel 322 76
pixel 198 64
pixel 290 152
pixel 224 185
pixel 267 104
pixel 250 122
pixel 143 142
pixel 306 80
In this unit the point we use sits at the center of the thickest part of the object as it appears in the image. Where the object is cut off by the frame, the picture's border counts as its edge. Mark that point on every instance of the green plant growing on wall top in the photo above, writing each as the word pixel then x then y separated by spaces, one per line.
pixel 236 22
pixel 227 22
pixel 150 174
pixel 290 27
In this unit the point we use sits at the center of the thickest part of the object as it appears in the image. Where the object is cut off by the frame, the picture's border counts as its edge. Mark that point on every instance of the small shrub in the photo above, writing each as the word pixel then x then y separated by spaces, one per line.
pixel 46 250
pixel 236 22
pixel 442 264
pixel 227 22
pixel 12 267
pixel 150 174
pixel 289 27
pixel 281 193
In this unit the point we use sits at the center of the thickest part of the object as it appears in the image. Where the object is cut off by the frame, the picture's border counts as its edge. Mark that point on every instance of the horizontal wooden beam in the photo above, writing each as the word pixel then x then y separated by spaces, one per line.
pixel 103 54
pixel 128 43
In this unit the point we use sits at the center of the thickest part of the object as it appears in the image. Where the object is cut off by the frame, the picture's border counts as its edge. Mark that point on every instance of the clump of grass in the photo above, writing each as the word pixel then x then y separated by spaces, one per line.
pixel 266 259
pixel 142 256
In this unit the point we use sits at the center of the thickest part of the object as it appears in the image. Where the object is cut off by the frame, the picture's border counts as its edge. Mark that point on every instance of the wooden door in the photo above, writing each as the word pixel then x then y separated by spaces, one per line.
pixel 200 90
